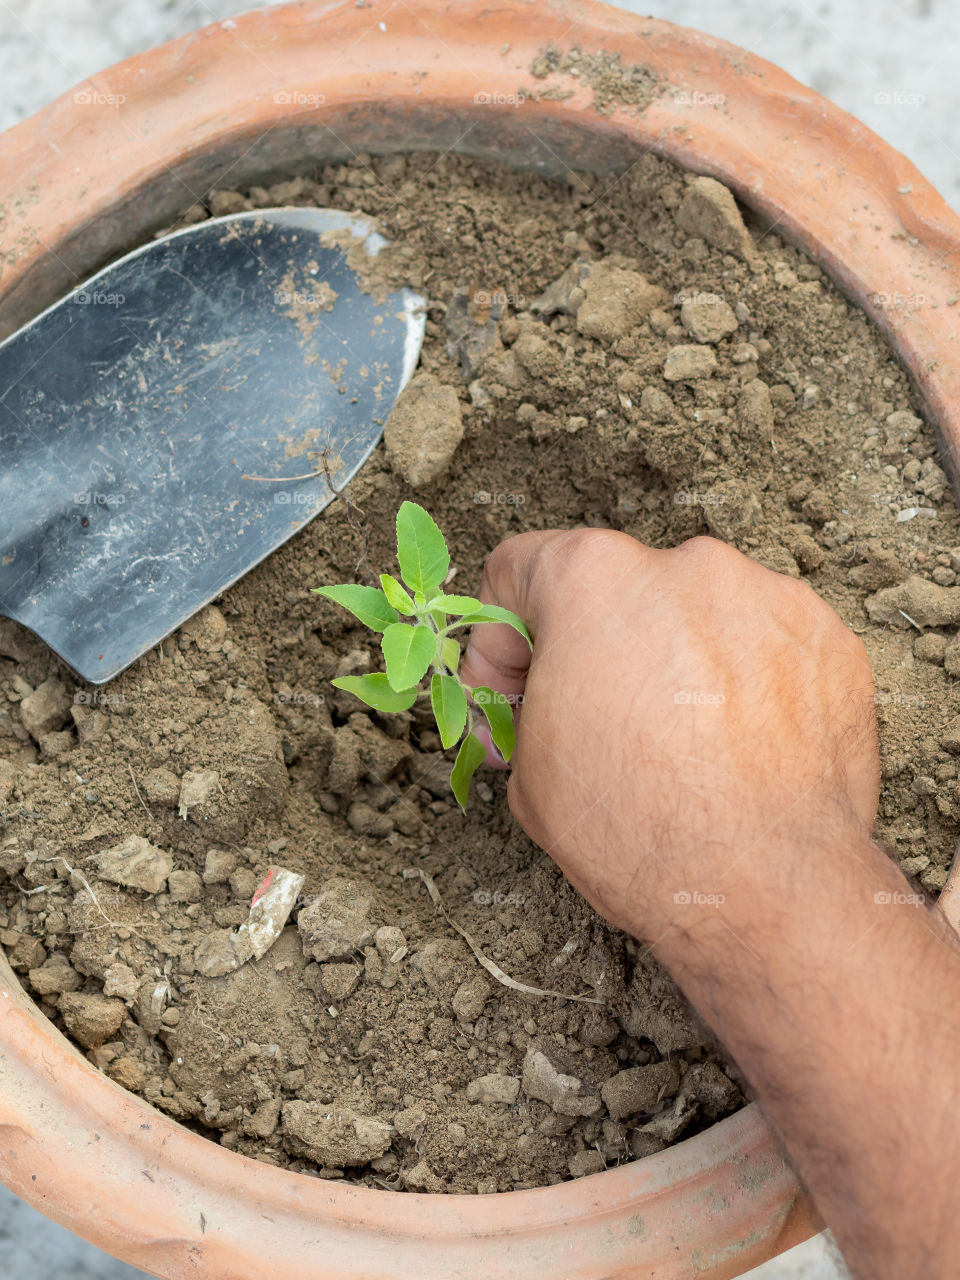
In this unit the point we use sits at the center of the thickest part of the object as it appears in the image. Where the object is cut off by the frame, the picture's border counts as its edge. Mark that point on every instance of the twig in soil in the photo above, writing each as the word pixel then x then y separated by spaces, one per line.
pixel 491 967
pixel 910 620
pixel 324 470
pixel 137 790
pixel 95 900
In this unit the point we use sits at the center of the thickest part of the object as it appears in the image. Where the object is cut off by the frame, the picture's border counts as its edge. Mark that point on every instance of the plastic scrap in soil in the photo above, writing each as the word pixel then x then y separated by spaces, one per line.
pixel 491 966
pixel 228 949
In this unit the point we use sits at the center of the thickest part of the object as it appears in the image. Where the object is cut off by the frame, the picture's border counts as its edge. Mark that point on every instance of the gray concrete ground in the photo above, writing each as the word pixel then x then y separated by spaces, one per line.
pixel 893 64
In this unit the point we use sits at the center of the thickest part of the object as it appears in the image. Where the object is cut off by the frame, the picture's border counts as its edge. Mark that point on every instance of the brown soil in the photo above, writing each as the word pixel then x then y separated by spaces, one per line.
pixel 681 377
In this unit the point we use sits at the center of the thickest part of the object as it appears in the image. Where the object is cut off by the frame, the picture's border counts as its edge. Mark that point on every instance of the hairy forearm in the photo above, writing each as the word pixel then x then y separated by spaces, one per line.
pixel 837 995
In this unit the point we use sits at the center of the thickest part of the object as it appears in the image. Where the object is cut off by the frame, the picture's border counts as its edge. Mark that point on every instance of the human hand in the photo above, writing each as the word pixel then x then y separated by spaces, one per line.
pixel 681 710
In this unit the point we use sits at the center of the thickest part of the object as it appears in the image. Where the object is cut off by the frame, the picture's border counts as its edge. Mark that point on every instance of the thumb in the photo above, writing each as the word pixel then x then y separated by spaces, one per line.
pixel 496 654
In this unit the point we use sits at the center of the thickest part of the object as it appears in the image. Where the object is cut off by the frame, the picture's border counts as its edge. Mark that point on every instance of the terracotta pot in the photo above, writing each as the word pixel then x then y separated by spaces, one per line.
pixel 239 102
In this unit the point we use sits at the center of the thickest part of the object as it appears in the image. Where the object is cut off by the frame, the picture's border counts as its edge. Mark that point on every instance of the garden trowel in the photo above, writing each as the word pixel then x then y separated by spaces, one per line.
pixel 181 415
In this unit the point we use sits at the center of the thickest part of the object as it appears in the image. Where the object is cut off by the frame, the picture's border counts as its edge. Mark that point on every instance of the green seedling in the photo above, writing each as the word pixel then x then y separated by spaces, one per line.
pixel 425 646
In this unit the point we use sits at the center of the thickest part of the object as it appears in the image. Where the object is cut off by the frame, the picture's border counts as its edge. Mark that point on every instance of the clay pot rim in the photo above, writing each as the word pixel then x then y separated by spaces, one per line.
pixel 117 156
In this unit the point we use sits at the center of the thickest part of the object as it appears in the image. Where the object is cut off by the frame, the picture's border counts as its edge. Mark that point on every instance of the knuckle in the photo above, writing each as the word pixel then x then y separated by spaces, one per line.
pixel 709 552
pixel 584 550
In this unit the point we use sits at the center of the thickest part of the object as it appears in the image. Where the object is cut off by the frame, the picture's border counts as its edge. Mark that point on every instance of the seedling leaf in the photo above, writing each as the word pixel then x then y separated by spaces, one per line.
pixel 396 595
pixel 499 716
pixel 456 605
pixel 421 551
pixel 470 757
pixel 449 704
pixel 408 651
pixel 376 692
pixel 369 604
pixel 495 613
pixel 450 653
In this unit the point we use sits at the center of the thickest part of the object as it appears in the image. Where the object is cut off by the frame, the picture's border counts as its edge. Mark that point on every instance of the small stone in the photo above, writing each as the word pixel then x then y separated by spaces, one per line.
pixel 136 864
pixel 880 568
pixel 421 1178
pixel 934 878
pixel 362 817
pixel 337 922
pixel 689 362
pixel 582 1163
pixel 410 1122
pixel 930 647
pixel 121 983
pixel 340 980
pixel 950 737
pixel 712 1087
pixel 819 506
pixel 744 353
pixel 922 601
pixel 755 408
pixel 423 430
pixel 8 778
pixel 264 1121
pixel 46 709
pixel 207 629
pixel 708 319
pixel 128 1073
pixel 333 1135
pixel 54 746
pixel 92 1019
pixel 615 302
pixel 913 866
pixel 161 786
pixel 470 998
pixel 184 886
pixel 494 1088
pixel 640 1089
pixel 656 404
pixel 222 952
pixel 218 866
pixel 950 654
pixel 388 940
pixel 565 295
pixel 55 976
pixel 196 788
pixel 560 1092
pixel 709 210
pixel 809 396
pixel 244 884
